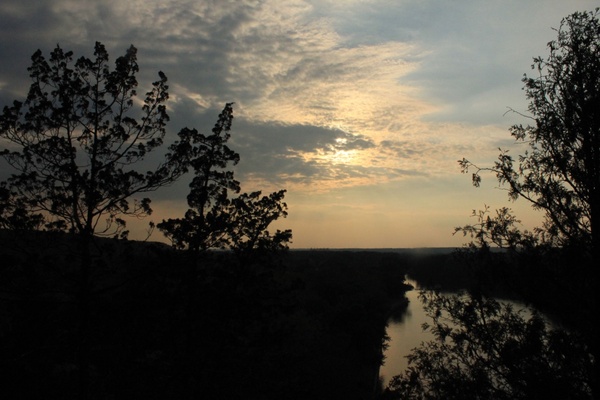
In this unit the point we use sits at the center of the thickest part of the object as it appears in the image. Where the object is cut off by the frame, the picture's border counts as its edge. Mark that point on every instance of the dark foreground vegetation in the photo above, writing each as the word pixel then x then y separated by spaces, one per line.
pixel 300 325
pixel 303 324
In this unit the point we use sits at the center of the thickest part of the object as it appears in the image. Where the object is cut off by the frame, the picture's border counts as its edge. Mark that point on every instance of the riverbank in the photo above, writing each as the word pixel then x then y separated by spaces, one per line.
pixel 350 296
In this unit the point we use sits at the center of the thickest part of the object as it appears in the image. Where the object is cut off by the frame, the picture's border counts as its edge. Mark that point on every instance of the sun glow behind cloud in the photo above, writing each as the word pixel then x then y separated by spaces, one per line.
pixel 359 108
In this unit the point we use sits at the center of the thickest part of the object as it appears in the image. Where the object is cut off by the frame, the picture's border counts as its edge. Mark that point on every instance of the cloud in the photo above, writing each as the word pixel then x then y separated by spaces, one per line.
pixel 328 93
pixel 295 155
pixel 317 85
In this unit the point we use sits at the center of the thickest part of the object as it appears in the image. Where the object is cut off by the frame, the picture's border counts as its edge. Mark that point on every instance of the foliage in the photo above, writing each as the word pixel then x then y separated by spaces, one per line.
pixel 14 214
pixel 251 215
pixel 215 220
pixel 560 172
pixel 74 141
pixel 484 349
pixel 500 230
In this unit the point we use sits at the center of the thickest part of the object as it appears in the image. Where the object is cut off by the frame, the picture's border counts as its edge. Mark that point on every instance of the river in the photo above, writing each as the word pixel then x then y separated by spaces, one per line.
pixel 407 333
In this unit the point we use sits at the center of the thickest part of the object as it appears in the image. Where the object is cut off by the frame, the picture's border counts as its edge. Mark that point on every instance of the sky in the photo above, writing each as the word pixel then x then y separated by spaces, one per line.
pixel 360 109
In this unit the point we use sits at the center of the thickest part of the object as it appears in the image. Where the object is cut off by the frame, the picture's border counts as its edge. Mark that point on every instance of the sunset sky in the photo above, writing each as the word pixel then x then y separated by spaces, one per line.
pixel 360 109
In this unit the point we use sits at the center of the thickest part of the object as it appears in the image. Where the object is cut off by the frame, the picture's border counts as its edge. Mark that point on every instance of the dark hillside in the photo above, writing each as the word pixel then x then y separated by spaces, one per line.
pixel 302 325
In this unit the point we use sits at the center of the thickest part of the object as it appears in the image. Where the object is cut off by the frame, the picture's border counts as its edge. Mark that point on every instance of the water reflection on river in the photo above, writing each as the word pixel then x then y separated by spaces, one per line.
pixel 405 334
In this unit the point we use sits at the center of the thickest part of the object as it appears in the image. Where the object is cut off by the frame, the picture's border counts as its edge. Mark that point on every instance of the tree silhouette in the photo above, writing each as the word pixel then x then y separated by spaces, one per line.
pixel 482 349
pixel 225 292
pixel 77 143
pixel 73 145
pixel 560 172
pixel 216 220
pixel 76 146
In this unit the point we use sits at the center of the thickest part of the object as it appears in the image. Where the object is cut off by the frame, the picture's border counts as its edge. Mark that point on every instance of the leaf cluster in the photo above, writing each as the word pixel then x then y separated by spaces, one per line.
pixel 500 230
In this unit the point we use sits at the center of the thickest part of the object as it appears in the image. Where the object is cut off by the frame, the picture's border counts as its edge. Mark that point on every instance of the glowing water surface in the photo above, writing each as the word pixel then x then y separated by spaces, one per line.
pixel 405 334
